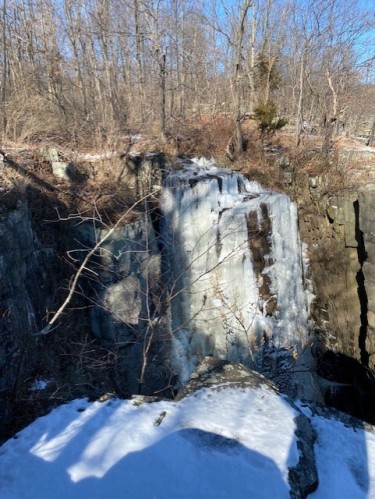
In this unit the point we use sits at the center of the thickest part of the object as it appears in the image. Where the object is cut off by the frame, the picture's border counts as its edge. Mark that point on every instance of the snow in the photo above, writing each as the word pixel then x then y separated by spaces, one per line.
pixel 98 156
pixel 228 443
pixel 39 384
pixel 213 444
pixel 366 149
pixel 346 460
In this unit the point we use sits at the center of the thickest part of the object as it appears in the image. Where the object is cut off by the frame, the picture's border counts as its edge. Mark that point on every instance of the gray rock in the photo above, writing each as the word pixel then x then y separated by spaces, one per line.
pixel 49 153
pixel 143 173
pixel 124 300
pixel 341 209
pixel 303 478
pixel 315 181
pixel 221 374
pixel 64 170
pixel 128 299
pixel 24 296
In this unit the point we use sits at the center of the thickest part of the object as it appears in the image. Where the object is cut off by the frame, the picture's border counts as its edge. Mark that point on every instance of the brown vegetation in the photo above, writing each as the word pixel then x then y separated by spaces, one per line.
pixel 97 73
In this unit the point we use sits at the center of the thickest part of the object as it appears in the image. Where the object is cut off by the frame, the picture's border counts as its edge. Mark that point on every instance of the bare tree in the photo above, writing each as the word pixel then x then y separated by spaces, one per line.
pixel 5 68
pixel 88 69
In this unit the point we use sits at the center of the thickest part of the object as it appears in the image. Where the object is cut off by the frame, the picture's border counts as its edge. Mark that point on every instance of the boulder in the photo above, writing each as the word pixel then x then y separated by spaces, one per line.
pixel 303 478
pixel 64 170
pixel 217 374
pixel 220 374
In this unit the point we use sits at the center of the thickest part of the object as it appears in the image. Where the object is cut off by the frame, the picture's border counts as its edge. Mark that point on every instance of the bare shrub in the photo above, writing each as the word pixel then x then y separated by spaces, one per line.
pixel 30 116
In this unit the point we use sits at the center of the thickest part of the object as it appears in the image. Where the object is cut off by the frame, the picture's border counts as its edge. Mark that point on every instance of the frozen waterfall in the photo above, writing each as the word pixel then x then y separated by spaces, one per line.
pixel 235 269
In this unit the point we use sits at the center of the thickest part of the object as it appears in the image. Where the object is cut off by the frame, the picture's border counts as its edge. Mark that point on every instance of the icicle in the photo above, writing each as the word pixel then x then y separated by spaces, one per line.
pixel 217 306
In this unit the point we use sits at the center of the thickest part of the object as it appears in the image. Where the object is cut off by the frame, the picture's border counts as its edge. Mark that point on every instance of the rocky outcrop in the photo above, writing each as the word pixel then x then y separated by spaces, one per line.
pixel 128 267
pixel 216 375
pixel 127 301
pixel 220 374
pixel 366 201
pixel 24 294
pixel 303 478
pixel 143 173
pixel 339 232
pixel 64 170
pixel 342 256
pixel 328 226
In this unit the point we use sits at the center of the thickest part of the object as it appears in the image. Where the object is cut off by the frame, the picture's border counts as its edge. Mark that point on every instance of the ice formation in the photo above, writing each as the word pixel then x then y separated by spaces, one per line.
pixel 233 250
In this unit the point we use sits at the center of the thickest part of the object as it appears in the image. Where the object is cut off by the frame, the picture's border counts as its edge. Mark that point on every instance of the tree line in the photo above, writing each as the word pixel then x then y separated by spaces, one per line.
pixel 88 70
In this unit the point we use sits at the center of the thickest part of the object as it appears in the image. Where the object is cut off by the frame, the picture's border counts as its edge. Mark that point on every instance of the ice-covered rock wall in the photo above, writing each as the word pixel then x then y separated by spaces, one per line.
pixel 235 269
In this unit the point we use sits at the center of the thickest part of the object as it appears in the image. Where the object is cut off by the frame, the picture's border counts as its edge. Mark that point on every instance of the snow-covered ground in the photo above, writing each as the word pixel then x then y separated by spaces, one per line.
pixel 235 443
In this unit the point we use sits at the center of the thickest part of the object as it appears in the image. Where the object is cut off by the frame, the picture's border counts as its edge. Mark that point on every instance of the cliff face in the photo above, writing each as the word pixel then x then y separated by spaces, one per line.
pixel 366 202
pixel 339 231
pixel 25 294
pixel 328 226
pixel 124 303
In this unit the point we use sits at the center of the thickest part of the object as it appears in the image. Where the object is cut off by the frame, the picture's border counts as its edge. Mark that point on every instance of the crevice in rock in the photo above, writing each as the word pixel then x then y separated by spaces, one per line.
pixel 362 294
pixel 303 478
pixel 156 219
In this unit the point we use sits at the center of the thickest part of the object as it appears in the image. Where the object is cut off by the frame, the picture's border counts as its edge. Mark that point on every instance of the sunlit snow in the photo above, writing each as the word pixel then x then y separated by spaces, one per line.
pixel 211 445
pixel 235 443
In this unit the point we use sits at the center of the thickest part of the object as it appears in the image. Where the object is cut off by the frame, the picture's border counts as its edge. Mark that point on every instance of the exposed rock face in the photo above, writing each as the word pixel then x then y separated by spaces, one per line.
pixel 366 200
pixel 339 231
pixel 129 269
pixel 328 226
pixel 303 478
pixel 220 374
pixel 143 173
pixel 64 170
pixel 24 294
pixel 128 300
pixel 342 258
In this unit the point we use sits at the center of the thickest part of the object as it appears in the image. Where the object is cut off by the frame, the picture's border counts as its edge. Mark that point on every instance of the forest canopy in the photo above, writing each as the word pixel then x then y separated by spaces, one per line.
pixel 88 69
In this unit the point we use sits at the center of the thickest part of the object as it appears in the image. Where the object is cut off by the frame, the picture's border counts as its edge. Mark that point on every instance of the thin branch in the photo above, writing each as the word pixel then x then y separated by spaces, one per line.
pixel 48 328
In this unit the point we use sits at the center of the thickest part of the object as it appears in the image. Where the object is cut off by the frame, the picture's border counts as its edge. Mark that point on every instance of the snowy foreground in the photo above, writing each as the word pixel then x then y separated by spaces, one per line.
pixel 235 443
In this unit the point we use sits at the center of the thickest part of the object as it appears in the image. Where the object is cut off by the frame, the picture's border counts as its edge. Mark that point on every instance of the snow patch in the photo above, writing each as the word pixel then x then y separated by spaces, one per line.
pixel 238 442
pixel 211 444
pixel 39 384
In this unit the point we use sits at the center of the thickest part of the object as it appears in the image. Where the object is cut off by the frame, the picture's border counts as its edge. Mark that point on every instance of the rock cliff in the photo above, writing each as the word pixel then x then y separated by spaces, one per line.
pixel 125 307
pixel 25 295
pixel 339 232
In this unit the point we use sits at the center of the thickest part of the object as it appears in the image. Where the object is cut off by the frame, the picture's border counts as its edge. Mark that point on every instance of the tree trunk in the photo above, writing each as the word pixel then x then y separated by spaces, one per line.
pixel 5 63
pixel 327 132
pixel 299 124
pixel 252 63
pixel 371 139
pixel 239 76
pixel 329 122
pixel 162 75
